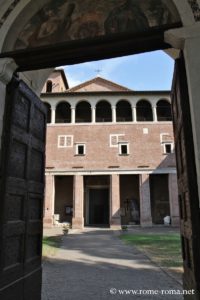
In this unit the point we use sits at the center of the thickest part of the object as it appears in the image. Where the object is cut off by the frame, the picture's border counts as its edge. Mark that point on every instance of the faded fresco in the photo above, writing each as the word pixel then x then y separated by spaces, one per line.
pixel 68 20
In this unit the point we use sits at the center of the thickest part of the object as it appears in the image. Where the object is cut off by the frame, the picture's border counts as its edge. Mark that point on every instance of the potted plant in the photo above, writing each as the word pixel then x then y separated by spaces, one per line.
pixel 124 227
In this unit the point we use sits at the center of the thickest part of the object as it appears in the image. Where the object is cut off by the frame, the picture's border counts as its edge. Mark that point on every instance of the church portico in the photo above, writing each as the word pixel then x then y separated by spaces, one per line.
pixel 110 199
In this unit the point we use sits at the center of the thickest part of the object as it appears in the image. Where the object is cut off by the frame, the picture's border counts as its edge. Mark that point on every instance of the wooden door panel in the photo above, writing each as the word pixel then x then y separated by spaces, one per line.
pixel 22 193
pixel 187 180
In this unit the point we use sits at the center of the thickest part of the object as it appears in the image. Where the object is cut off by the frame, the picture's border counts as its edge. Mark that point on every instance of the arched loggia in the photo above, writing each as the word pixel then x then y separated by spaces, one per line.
pixel 48 106
pixel 144 111
pixel 63 113
pixel 103 111
pixel 164 112
pixel 83 112
pixel 124 111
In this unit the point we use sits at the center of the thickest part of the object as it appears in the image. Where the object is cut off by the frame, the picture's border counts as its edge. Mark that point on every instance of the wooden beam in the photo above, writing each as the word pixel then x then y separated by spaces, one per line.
pixel 80 51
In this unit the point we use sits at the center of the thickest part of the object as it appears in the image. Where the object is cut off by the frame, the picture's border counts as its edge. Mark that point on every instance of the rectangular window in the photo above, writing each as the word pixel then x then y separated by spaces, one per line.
pixel 166 138
pixel 115 139
pixel 123 149
pixel 80 149
pixel 65 141
pixel 168 148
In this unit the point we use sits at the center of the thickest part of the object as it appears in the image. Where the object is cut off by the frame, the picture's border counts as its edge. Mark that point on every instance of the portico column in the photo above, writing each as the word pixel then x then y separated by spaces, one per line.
pixel 49 200
pixel 173 199
pixel 93 114
pixel 134 114
pixel 145 201
pixel 114 117
pixel 7 69
pixel 53 114
pixel 77 220
pixel 115 218
pixel 73 117
pixel 155 119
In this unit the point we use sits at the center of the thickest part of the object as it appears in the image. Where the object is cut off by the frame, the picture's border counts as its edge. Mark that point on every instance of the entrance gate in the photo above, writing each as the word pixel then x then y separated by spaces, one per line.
pixel 22 193
pixel 187 180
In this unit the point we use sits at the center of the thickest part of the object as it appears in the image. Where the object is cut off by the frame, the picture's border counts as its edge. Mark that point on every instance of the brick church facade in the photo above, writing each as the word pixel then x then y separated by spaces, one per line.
pixel 110 155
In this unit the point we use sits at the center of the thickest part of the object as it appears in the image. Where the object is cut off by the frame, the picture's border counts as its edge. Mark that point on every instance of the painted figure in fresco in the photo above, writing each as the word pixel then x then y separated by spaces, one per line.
pixel 86 26
pixel 88 30
pixel 127 17
pixel 52 26
pixel 158 13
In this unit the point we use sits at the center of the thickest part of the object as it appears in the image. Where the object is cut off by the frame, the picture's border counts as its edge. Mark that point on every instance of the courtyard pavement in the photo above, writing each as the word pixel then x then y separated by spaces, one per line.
pixel 96 265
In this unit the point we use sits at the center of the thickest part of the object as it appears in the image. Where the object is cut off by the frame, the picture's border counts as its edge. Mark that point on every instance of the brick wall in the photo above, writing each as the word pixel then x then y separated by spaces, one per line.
pixel 145 149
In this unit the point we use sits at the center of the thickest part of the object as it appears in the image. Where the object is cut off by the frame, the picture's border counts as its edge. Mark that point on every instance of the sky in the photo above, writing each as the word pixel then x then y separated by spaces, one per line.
pixel 147 71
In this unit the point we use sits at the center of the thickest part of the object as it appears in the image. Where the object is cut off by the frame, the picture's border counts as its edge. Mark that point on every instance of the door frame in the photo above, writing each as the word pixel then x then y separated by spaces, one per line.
pixel 87 199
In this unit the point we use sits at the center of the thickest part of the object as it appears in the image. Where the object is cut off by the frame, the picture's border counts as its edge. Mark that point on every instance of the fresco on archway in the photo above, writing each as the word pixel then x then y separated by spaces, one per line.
pixel 69 20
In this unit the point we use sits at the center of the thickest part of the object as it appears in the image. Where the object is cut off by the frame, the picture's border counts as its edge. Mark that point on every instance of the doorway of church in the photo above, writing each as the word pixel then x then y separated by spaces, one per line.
pixel 98 206
pixel 97 201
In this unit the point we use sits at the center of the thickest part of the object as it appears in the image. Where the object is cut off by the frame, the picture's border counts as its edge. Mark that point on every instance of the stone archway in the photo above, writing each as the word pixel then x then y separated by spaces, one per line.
pixel 81 44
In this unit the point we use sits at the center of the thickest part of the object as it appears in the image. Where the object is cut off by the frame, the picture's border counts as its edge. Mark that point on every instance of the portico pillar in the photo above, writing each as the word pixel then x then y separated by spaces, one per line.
pixel 49 200
pixel 7 69
pixel 145 201
pixel 134 114
pixel 173 199
pixel 77 220
pixel 53 114
pixel 73 116
pixel 115 218
pixel 155 118
pixel 93 114
pixel 114 116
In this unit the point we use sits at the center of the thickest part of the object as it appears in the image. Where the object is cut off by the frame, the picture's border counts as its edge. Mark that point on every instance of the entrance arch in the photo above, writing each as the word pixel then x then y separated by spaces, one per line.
pixel 24 48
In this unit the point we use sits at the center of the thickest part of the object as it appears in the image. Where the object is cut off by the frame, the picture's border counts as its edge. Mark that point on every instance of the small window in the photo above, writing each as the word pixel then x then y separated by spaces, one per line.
pixel 168 148
pixel 166 138
pixel 115 139
pixel 65 141
pixel 124 149
pixel 80 149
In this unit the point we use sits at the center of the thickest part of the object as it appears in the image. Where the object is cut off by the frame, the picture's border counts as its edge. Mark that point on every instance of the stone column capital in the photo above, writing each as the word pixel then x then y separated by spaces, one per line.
pixel 177 37
pixel 7 68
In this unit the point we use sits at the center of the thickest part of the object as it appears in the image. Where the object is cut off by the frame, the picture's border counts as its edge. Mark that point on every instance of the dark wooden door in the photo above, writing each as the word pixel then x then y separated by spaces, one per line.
pixel 22 193
pixel 187 180
pixel 98 206
pixel 159 197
